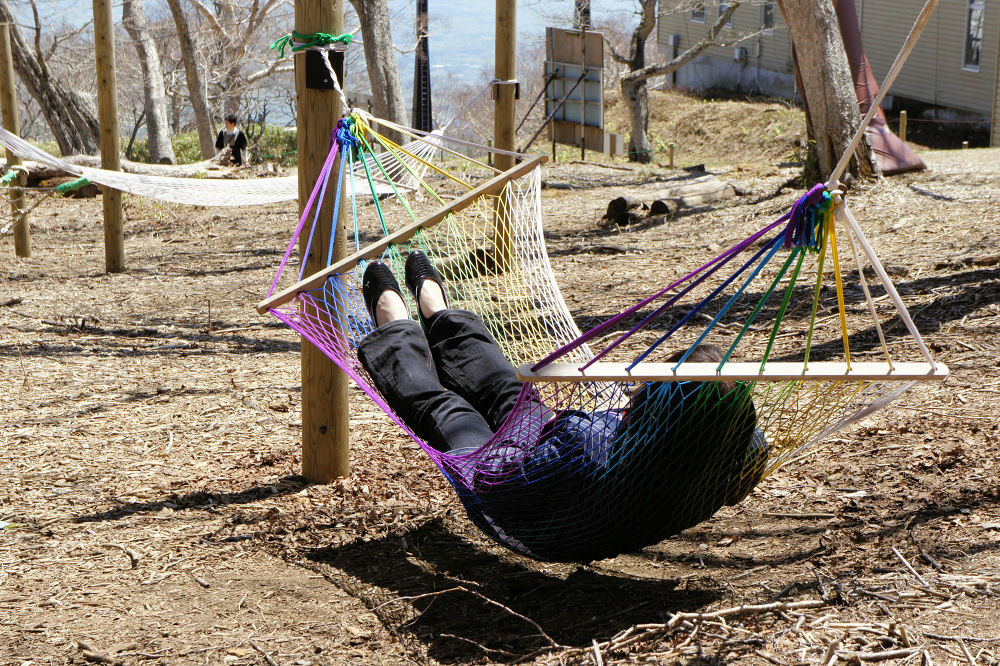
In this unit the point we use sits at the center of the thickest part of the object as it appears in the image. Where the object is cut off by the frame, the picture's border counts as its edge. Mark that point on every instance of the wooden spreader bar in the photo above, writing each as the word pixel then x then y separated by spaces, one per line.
pixel 776 371
pixel 488 188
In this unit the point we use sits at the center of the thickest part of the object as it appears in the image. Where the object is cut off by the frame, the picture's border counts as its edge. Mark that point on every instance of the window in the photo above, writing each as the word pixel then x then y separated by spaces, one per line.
pixel 723 5
pixel 767 16
pixel 973 34
pixel 698 12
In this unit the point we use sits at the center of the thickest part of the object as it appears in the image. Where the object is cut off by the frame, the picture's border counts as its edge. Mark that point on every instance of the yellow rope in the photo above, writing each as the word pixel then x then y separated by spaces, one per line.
pixel 393 146
pixel 840 286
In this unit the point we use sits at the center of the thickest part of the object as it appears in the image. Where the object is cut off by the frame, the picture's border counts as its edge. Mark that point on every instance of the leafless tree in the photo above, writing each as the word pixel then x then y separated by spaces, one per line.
pixel 198 96
pixel 832 111
pixel 71 117
pixel 154 92
pixel 380 60
pixel 635 93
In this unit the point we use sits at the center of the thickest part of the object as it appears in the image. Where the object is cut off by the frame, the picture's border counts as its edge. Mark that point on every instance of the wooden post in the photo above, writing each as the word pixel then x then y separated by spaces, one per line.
pixel 107 111
pixel 325 418
pixel 902 124
pixel 503 116
pixel 671 155
pixel 8 100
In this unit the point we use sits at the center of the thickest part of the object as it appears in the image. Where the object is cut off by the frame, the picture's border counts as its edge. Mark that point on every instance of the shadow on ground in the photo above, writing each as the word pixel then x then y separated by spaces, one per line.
pixel 463 601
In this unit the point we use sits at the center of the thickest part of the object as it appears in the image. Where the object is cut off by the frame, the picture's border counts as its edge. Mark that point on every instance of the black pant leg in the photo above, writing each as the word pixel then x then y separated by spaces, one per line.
pixel 399 362
pixel 470 362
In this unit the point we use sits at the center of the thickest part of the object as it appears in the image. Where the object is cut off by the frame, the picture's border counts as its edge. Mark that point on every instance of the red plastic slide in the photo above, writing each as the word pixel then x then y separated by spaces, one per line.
pixel 892 154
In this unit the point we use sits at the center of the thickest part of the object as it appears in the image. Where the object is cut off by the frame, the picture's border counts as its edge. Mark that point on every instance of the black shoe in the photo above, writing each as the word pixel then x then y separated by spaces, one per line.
pixel 377 280
pixel 418 269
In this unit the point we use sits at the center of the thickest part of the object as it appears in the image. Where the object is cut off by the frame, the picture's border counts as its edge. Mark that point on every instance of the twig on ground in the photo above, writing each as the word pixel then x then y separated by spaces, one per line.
pixel 877 656
pixel 910 568
pixel 132 555
pixel 267 657
pixel 483 597
pixel 965 651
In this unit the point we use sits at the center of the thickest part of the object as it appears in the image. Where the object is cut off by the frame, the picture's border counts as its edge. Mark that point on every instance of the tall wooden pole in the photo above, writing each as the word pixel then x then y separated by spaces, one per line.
pixel 107 111
pixel 8 101
pixel 505 96
pixel 324 386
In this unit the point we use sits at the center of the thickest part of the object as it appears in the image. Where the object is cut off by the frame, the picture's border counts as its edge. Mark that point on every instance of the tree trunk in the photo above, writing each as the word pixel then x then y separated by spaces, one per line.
pixel 387 91
pixel 153 90
pixel 635 92
pixel 832 114
pixel 71 118
pixel 196 89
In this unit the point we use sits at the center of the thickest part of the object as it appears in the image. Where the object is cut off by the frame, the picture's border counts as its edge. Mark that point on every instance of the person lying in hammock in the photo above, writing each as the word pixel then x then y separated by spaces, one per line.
pixel 450 383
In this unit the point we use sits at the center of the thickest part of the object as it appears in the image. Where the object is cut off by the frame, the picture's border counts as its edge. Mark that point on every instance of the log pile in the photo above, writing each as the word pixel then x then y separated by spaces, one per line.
pixel 629 208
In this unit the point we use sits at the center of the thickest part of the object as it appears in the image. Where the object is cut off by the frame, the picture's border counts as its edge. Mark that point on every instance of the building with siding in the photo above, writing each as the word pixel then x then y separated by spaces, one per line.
pixel 954 63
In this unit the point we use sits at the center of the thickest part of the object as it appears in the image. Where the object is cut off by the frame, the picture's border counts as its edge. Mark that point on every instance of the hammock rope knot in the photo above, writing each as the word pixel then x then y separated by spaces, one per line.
pixel 299 42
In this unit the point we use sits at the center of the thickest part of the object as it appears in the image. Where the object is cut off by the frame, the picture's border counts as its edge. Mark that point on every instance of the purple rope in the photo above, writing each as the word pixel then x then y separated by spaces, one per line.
pixel 323 175
pixel 600 328
pixel 732 253
pixel 811 198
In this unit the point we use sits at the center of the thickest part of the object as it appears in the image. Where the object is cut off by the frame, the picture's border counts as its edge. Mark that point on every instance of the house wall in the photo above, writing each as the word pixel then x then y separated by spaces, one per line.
pixel 933 72
pixel 768 66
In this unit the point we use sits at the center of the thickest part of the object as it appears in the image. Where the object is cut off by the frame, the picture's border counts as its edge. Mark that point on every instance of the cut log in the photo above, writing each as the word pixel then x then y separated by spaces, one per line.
pixel 665 206
pixel 668 200
pixel 618 206
pixel 41 172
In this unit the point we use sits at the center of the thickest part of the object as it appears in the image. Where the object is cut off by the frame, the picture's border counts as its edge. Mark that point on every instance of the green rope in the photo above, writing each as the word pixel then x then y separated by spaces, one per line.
pixel 298 42
pixel 784 305
pixel 72 185
pixel 760 306
pixel 8 177
pixel 290 152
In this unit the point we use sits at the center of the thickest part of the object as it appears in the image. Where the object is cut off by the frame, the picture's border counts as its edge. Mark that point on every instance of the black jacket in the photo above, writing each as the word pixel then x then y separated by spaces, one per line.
pixel 239 144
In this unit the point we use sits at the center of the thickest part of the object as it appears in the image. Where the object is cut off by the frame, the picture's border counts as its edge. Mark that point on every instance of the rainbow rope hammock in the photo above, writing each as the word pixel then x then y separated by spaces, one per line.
pixel 704 433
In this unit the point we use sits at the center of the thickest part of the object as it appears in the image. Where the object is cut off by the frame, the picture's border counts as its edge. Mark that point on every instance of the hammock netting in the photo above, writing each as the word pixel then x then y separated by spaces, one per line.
pixel 610 448
pixel 402 174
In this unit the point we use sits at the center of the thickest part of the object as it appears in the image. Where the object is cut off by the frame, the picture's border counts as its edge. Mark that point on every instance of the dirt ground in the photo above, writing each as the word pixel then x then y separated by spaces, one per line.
pixel 149 451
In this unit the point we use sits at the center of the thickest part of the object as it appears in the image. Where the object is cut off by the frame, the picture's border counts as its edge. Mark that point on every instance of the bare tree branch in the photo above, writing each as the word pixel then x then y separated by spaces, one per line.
pixel 617 57
pixel 650 71
pixel 276 67
pixel 211 17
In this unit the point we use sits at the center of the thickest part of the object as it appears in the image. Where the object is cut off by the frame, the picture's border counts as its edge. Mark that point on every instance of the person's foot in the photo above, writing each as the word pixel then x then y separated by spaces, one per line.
pixel 426 284
pixel 383 297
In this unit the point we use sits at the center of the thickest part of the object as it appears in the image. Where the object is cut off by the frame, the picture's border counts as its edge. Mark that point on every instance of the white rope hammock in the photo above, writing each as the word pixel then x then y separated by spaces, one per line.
pixel 403 171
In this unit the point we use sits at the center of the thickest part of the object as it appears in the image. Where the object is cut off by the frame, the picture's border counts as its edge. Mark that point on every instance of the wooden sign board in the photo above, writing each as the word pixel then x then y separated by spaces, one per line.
pixel 574 97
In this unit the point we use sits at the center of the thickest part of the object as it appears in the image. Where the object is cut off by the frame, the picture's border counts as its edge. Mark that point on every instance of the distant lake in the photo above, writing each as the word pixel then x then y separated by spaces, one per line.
pixel 463 31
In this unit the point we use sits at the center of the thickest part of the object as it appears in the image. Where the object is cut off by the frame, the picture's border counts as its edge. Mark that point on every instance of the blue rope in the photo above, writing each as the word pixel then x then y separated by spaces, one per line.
pixel 325 176
pixel 705 301
pixel 729 304
pixel 336 207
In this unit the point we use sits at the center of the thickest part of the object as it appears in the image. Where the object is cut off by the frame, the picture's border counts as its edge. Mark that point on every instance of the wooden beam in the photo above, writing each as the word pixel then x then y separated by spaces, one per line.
pixel 504 122
pixel 107 111
pixel 776 371
pixel 8 101
pixel 376 249
pixel 325 416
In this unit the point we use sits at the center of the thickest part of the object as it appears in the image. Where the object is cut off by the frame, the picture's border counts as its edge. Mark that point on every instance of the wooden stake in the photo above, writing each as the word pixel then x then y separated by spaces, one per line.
pixel 902 124
pixel 325 418
pixel 107 111
pixel 503 116
pixel 8 100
